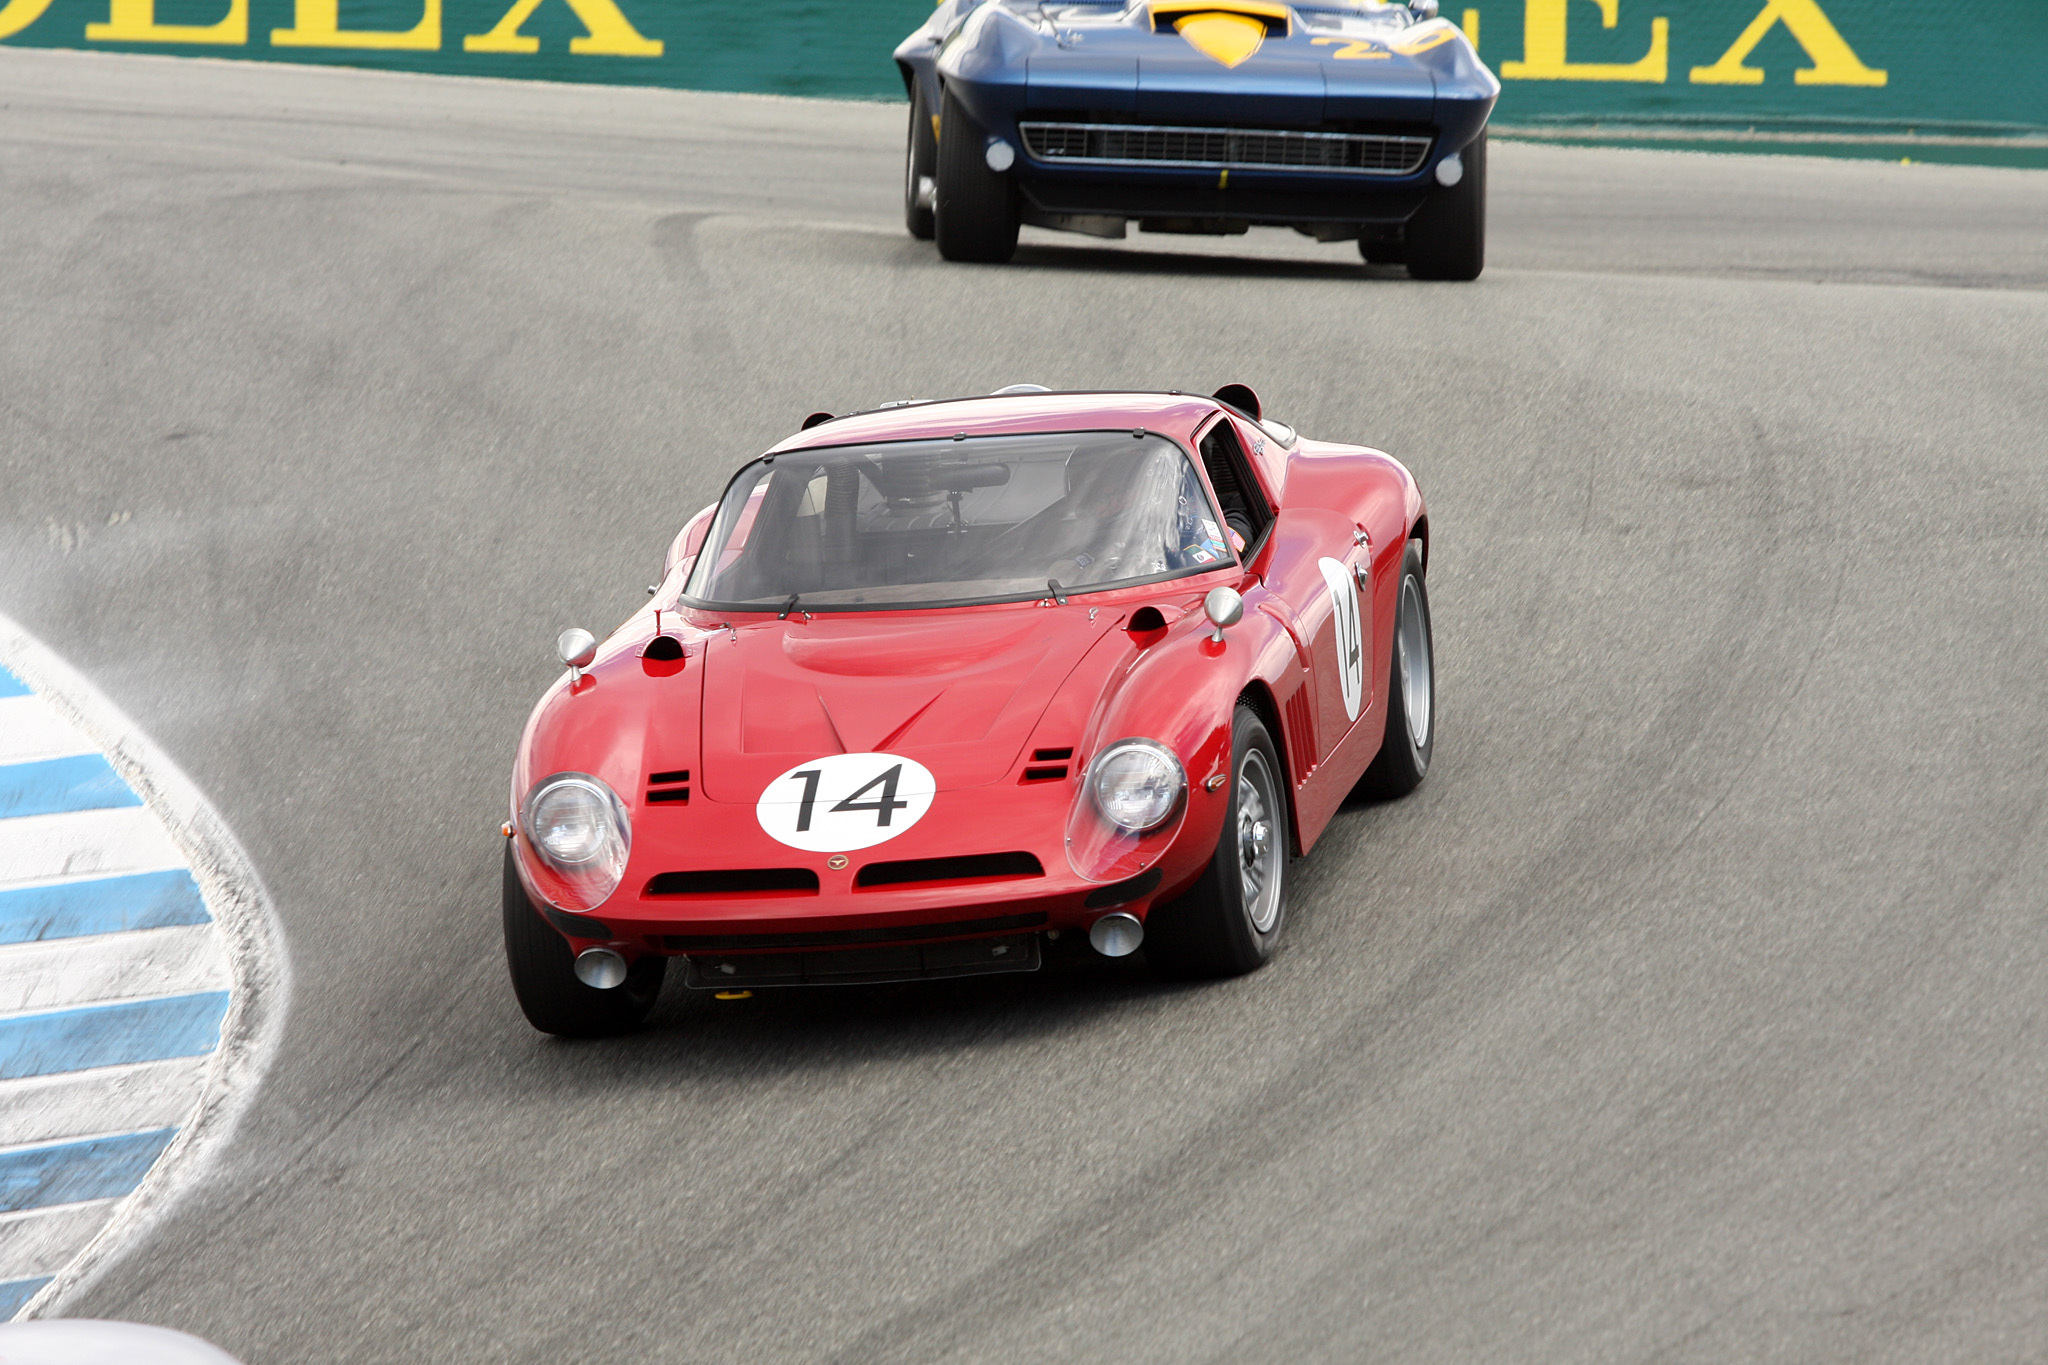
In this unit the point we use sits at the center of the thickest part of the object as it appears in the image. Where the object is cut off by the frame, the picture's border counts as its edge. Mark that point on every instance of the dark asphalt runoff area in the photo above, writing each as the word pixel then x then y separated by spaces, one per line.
pixel 1696 1009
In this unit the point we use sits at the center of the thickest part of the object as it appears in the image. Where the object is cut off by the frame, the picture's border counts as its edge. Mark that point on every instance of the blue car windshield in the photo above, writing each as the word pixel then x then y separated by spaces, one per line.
pixel 942 523
pixel 1391 16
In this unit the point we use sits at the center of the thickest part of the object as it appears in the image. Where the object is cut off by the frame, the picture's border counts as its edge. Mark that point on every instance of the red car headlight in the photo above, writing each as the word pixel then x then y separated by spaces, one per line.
pixel 1127 810
pixel 1137 784
pixel 579 830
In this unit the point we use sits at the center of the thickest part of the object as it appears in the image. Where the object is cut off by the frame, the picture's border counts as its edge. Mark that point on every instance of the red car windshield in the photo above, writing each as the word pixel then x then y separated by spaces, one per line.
pixel 941 523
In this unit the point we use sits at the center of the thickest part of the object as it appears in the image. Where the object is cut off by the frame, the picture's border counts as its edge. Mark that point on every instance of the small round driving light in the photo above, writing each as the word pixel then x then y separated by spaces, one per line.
pixel 1137 784
pixel 1450 170
pixel 570 821
pixel 601 969
pixel 1117 934
pixel 1001 155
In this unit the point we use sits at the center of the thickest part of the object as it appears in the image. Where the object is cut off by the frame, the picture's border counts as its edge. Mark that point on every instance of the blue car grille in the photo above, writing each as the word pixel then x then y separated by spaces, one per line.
pixel 1128 144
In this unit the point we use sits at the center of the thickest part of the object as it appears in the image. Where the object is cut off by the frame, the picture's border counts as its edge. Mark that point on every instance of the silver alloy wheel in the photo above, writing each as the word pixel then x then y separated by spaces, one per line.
pixel 1260 862
pixel 1411 639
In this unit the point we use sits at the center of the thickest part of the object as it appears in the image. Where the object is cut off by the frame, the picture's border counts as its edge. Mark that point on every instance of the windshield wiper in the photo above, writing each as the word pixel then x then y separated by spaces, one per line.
pixel 787 607
pixel 1058 594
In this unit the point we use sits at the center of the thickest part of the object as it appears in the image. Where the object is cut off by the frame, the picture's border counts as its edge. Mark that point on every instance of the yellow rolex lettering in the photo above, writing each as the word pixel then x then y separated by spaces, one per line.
pixel 317 23
pixel 1543 47
pixel 17 15
pixel 134 21
pixel 610 34
pixel 1834 62
pixel 1471 27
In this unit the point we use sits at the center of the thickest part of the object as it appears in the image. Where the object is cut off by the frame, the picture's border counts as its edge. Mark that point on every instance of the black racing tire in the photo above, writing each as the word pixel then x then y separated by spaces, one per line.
pixel 920 162
pixel 1446 239
pixel 1383 248
pixel 975 214
pixel 1403 759
pixel 1221 927
pixel 544 975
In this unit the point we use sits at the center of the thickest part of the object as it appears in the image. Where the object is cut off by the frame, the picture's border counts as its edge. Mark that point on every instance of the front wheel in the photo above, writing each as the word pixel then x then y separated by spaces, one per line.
pixel 1229 921
pixel 1446 239
pixel 975 214
pixel 544 975
pixel 920 167
pixel 1403 759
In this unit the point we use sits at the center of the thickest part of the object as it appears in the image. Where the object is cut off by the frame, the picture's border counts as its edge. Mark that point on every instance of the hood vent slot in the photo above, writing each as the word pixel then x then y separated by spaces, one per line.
pixel 932 871
pixel 1047 774
pixel 663 787
pixel 737 881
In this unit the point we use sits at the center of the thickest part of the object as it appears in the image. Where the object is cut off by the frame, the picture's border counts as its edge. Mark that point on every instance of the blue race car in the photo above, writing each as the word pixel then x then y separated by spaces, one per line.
pixel 1342 119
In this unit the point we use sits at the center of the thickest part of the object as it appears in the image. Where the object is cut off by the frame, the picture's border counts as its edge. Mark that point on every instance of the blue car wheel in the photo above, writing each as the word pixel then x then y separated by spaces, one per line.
pixel 976 210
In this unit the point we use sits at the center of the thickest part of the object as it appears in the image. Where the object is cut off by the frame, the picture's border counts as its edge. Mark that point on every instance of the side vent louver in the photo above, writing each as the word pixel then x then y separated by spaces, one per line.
pixel 669 787
pixel 1047 773
pixel 1301 734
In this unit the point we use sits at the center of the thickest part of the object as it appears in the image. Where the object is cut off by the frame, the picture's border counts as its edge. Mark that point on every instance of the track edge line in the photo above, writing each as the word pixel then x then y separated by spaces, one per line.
pixel 251 931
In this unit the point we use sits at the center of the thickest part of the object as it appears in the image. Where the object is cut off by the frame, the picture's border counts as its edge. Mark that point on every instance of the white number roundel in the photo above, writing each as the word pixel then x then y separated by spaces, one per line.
pixel 846 801
pixel 1350 636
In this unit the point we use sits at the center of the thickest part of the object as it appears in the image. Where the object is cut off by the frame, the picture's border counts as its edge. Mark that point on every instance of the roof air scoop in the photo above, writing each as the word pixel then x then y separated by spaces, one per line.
pixel 1241 397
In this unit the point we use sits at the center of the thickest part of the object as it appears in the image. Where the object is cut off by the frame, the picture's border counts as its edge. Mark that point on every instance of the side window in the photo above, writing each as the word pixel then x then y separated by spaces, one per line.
pixel 1244 506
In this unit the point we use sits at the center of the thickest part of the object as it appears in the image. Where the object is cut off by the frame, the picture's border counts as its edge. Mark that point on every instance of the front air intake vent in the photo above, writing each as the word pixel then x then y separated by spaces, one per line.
pixel 1260 149
pixel 737 881
pixel 932 871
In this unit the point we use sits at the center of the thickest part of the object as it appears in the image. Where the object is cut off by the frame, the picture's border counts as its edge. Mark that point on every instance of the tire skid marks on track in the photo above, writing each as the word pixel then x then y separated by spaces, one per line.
pixel 115 983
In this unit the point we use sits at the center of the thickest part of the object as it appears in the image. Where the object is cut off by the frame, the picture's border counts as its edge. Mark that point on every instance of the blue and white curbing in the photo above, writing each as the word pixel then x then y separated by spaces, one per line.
pixel 142 981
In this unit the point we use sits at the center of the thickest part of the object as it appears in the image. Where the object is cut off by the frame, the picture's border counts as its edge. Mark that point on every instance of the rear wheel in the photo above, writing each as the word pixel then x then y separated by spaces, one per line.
pixel 1229 922
pixel 920 167
pixel 975 214
pixel 544 975
pixel 1403 759
pixel 1446 239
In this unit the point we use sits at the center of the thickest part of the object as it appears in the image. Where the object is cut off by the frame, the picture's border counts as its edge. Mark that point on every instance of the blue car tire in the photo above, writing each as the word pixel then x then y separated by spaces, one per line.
pixel 1446 239
pixel 920 167
pixel 976 208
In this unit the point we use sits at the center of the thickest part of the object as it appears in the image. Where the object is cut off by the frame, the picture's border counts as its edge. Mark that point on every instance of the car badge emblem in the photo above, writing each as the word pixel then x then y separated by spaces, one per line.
pixel 837 862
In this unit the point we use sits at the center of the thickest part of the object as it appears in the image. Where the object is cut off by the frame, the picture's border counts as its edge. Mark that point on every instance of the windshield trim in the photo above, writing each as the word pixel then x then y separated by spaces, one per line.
pixel 1237 560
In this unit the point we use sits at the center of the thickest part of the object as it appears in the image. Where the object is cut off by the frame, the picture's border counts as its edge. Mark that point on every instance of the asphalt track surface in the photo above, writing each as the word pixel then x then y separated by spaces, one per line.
pixel 1691 1011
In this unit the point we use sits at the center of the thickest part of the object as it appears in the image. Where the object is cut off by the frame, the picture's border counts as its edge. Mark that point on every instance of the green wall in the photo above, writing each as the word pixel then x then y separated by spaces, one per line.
pixel 1880 77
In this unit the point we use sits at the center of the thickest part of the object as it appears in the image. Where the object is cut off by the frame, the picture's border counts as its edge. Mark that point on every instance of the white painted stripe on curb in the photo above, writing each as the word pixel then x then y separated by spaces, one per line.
pixel 87 971
pixel 40 1241
pixel 75 1243
pixel 31 729
pixel 84 843
pixel 125 1099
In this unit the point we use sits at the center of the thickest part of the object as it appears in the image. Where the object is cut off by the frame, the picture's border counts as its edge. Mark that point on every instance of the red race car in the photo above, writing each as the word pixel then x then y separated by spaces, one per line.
pixel 935 683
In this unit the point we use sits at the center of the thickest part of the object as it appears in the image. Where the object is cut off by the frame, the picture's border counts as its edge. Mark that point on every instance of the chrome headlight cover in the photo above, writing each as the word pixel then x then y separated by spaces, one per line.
pixel 578 829
pixel 1137 784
